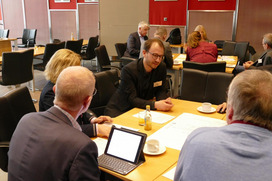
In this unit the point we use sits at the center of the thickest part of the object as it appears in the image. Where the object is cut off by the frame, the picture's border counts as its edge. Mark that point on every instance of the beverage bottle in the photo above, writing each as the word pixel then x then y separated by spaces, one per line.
pixel 72 36
pixel 148 119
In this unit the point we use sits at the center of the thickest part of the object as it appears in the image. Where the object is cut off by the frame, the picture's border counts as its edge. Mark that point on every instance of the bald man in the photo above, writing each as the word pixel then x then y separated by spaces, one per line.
pixel 50 145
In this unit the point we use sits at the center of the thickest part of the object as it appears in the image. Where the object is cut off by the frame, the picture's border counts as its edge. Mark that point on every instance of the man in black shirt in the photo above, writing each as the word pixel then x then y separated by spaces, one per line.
pixel 143 82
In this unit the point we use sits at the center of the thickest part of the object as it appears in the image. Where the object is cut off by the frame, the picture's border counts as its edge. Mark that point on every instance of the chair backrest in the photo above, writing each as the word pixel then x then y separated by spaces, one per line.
pixel 228 48
pixel 74 45
pixel 174 37
pixel 14 105
pixel 120 49
pixel 217 86
pixel 92 44
pixel 106 84
pixel 4 33
pixel 241 49
pixel 102 57
pixel 202 86
pixel 17 67
pixel 29 37
pixel 219 43
pixel 208 67
pixel 50 49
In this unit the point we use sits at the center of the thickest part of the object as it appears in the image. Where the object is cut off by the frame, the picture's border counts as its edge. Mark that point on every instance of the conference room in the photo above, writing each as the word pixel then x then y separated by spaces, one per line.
pixel 35 30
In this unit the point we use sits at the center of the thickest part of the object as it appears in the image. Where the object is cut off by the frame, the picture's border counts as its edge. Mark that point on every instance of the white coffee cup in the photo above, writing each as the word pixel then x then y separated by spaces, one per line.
pixel 206 106
pixel 153 145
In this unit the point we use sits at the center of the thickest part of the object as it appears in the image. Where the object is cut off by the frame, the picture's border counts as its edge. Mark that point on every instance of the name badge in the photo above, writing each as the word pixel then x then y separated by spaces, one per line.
pixel 158 83
pixel 260 61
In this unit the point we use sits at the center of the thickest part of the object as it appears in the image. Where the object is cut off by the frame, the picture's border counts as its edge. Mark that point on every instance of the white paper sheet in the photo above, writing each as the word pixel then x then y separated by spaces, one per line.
pixel 170 174
pixel 180 59
pixel 156 116
pixel 174 134
pixel 101 144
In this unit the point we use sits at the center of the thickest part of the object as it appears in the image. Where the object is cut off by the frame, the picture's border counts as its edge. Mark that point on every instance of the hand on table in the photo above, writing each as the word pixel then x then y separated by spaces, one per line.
pixel 164 105
pixel 222 108
pixel 247 64
pixel 102 119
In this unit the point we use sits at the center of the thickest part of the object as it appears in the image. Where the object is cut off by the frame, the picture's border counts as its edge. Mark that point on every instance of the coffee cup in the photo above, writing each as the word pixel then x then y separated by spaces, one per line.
pixel 206 106
pixel 153 145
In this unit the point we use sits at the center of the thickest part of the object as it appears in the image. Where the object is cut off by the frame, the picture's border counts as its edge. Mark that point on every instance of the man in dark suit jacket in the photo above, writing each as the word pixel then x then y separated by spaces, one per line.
pixel 264 59
pixel 135 40
pixel 50 145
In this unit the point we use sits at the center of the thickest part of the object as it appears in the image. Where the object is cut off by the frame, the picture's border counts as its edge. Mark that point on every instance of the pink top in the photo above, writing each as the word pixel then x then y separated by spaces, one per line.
pixel 204 53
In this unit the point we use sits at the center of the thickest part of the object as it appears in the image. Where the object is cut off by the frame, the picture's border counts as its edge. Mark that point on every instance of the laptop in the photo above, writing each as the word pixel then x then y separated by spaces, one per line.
pixel 124 151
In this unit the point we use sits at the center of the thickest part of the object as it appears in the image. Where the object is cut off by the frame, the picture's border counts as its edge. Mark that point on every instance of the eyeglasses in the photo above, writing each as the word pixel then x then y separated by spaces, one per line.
pixel 155 56
pixel 95 91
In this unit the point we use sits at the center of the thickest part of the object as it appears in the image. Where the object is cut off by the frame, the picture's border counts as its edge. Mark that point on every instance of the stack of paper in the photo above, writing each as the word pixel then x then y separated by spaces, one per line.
pixel 180 59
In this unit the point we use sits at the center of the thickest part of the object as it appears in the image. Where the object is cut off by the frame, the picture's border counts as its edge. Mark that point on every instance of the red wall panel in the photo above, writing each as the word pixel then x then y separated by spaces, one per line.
pixel 174 11
pixel 212 5
pixel 71 5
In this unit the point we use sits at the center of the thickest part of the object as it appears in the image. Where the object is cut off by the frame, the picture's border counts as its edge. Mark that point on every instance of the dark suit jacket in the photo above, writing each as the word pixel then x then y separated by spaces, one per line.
pixel 45 146
pixel 46 101
pixel 138 88
pixel 266 59
pixel 133 45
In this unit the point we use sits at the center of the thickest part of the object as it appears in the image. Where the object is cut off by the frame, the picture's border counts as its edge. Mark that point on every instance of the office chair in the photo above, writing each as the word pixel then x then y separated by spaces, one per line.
pixel 209 67
pixel 103 58
pixel 120 49
pixel 74 45
pixel 106 84
pixel 28 38
pixel 88 51
pixel 14 105
pixel 17 67
pixel 228 48
pixel 50 48
pixel 241 49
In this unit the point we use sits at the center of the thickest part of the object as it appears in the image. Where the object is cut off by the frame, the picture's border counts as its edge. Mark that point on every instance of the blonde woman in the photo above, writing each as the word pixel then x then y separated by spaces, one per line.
pixel 62 59
pixel 202 31
pixel 199 50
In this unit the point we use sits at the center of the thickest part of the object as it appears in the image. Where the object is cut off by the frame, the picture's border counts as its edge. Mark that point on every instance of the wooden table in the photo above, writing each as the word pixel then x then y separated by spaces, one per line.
pixel 5 45
pixel 178 67
pixel 155 166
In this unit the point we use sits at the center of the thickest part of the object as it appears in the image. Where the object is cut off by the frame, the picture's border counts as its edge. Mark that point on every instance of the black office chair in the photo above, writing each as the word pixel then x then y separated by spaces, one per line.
pixel 50 48
pixel 103 58
pixel 28 38
pixel 106 84
pixel 4 33
pixel 219 44
pixel 14 105
pixel 74 45
pixel 87 52
pixel 209 67
pixel 228 48
pixel 202 86
pixel 17 67
pixel 241 49
pixel 120 49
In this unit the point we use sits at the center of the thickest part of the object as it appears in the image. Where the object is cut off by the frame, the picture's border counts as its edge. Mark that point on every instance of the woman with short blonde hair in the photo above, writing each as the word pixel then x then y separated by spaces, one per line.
pixel 60 60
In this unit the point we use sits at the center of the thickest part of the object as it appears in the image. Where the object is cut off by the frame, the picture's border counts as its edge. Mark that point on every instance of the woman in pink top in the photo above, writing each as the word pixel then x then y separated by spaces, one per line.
pixel 199 50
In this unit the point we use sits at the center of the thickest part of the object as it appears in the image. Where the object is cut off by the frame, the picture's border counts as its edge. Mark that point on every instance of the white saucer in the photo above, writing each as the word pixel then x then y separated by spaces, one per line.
pixel 211 111
pixel 162 149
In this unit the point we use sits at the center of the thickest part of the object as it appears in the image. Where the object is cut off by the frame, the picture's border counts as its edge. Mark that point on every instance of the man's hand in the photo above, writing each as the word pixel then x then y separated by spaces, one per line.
pixel 164 105
pixel 248 64
pixel 103 130
pixel 102 119
pixel 222 108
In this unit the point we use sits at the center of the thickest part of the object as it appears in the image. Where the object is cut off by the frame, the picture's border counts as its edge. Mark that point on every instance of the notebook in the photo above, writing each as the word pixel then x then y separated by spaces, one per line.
pixel 124 151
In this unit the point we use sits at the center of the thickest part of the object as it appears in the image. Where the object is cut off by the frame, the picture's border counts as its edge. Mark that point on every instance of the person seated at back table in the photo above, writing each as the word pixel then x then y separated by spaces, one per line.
pixel 202 31
pixel 242 149
pixel 199 50
pixel 60 60
pixel 141 82
pixel 49 145
pixel 264 59
pixel 161 34
pixel 136 39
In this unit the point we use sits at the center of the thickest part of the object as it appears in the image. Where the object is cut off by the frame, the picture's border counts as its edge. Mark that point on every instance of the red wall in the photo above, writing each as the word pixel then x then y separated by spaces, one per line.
pixel 71 5
pixel 175 11
pixel 212 5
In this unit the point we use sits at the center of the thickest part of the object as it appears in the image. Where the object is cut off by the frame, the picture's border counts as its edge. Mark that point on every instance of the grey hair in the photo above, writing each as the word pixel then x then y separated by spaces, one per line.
pixel 268 39
pixel 143 24
pixel 250 97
